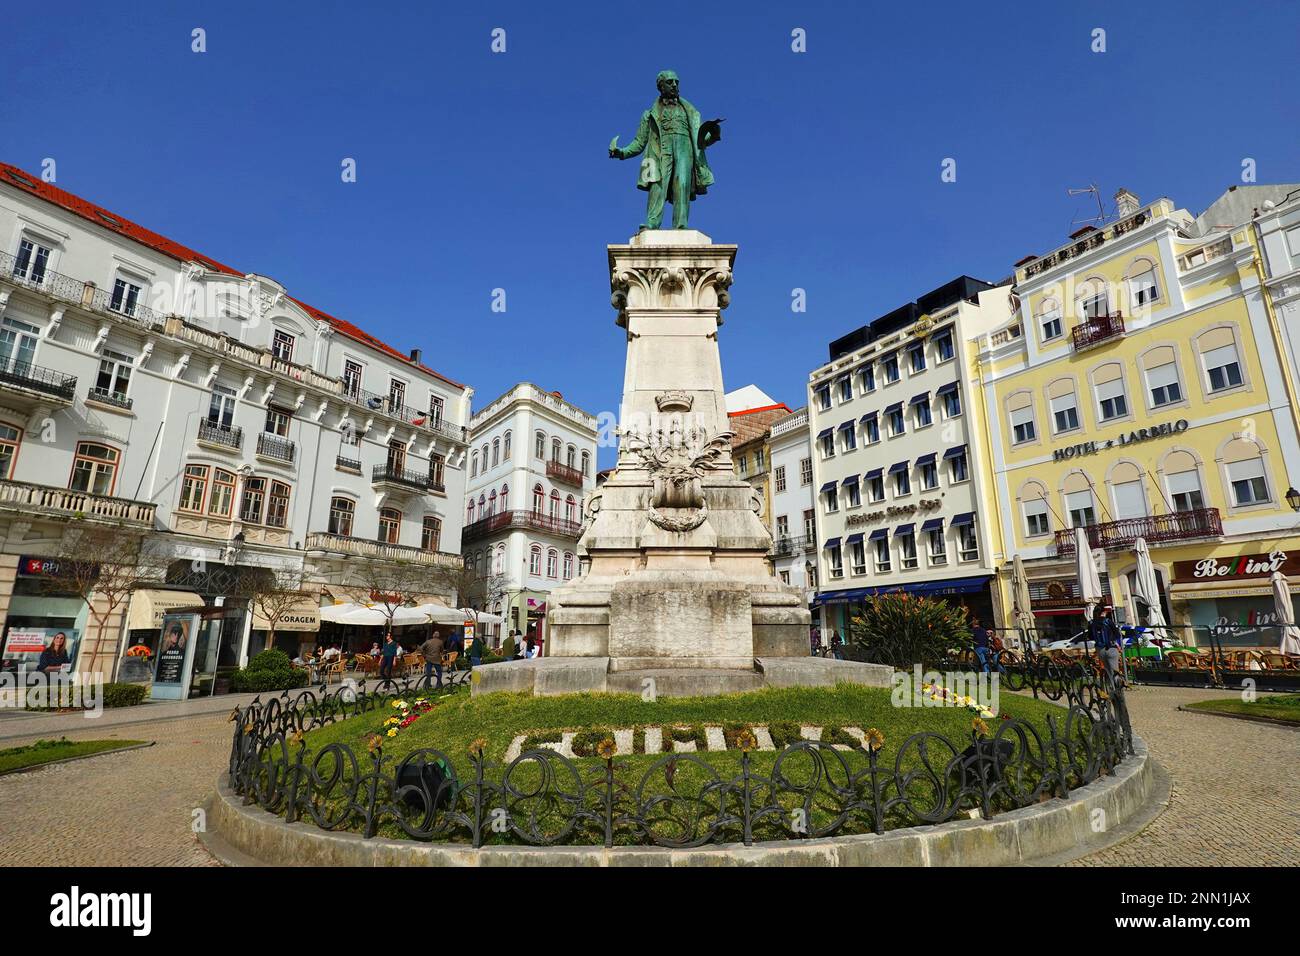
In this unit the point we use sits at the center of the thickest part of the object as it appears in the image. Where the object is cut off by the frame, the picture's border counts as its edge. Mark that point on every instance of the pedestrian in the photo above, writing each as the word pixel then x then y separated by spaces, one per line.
pixel 1105 636
pixel 432 651
pixel 476 648
pixel 521 646
pixel 980 638
pixel 837 646
pixel 375 650
pixel 388 654
pixel 816 643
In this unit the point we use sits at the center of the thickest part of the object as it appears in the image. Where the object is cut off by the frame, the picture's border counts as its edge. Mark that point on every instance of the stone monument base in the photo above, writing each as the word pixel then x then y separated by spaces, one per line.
pixel 548 676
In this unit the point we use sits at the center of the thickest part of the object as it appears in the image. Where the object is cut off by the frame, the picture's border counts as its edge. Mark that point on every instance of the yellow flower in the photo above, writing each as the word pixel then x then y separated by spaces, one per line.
pixel 477 746
pixel 295 738
pixel 981 728
pixel 392 731
pixel 606 748
pixel 875 739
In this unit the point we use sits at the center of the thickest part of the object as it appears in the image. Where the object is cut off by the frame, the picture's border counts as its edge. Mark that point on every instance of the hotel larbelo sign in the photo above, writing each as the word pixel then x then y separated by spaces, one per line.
pixel 1138 435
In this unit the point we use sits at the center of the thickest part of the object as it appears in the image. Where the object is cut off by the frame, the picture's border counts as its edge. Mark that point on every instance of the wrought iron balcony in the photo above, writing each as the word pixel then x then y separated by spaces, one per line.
pixel 68 289
pixel 108 397
pixel 1156 529
pixel 366 548
pixel 351 464
pixel 32 499
pixel 26 378
pixel 393 474
pixel 785 547
pixel 227 436
pixel 570 476
pixel 1097 331
pixel 275 447
pixel 535 520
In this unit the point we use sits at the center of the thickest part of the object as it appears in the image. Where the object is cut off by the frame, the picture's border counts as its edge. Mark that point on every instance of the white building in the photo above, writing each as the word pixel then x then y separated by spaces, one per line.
pixel 894 456
pixel 145 383
pixel 531 466
pixel 793 511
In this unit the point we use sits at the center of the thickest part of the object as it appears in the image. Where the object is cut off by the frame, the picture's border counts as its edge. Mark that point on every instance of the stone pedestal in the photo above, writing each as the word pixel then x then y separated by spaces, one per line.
pixel 678 577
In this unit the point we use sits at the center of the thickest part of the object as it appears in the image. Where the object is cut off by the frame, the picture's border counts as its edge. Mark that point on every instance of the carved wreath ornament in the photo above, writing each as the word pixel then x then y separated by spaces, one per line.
pixel 677 462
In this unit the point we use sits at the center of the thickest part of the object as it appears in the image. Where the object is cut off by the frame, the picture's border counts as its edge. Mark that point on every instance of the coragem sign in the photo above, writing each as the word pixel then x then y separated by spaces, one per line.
pixel 1133 437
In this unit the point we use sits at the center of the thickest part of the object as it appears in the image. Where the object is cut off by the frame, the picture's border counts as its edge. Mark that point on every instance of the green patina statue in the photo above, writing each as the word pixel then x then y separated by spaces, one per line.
pixel 673 140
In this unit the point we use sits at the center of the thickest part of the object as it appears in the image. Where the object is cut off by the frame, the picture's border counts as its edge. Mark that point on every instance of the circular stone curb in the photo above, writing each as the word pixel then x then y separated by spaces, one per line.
pixel 1047 832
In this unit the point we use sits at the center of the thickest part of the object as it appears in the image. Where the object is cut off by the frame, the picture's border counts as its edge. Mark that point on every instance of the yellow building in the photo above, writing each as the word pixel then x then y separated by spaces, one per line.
pixel 1138 392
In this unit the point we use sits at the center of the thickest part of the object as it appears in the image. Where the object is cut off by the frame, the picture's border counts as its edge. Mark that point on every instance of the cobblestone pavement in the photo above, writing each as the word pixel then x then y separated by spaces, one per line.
pixel 1236 797
pixel 1236 794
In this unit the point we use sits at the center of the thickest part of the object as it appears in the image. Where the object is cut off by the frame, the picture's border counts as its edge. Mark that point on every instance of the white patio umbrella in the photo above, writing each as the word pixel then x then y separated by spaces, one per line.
pixel 1285 615
pixel 1089 582
pixel 1145 588
pixel 1024 614
pixel 483 617
pixel 372 615
pixel 441 614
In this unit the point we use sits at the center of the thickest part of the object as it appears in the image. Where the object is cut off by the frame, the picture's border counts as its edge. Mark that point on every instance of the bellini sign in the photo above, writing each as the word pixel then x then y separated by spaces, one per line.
pixel 1138 435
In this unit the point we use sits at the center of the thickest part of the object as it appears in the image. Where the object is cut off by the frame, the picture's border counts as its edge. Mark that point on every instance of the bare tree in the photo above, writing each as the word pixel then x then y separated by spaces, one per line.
pixel 103 564
pixel 273 593
pixel 391 584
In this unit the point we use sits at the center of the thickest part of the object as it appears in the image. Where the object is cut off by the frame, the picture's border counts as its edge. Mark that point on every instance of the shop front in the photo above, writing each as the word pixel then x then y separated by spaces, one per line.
pixel 39 610
pixel 1231 597
pixel 297 627
pixel 838 608
pixel 1058 606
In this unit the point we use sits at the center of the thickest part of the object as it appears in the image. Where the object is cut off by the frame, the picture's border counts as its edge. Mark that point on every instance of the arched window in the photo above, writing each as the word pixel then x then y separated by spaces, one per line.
pixel 492 502
pixel 505 497
pixel 342 511
pixel 1143 289
pixel 473 464
pixel 555 450
pixel 1091 300
pixel 1183 481
pixel 568 565
pixel 535 560
pixel 552 563
pixel 1164 385
pixel 571 458
pixel 1049 320
pixel 586 462
pixel 390 523
pixel 1109 389
pixel 555 504
pixel 1126 491
pixel 482 506
pixel 570 509
pixel 1064 405
pixel 1080 505
pixel 506 453
pixel 539 444
pixel 430 533
pixel 1020 417
pixel 1033 503
pixel 485 458
pixel 496 452
pixel 539 499
pixel 94 469
pixel 1247 477
pixel 499 559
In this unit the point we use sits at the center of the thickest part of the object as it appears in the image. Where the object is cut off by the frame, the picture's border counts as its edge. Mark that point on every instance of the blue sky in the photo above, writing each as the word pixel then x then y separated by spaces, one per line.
pixel 479 171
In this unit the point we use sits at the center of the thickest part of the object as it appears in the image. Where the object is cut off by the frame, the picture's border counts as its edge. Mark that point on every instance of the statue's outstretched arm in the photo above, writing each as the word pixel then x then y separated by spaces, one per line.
pixel 637 146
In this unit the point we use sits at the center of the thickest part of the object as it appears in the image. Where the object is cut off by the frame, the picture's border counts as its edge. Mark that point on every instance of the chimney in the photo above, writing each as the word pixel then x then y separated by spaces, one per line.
pixel 1126 203
pixel 415 356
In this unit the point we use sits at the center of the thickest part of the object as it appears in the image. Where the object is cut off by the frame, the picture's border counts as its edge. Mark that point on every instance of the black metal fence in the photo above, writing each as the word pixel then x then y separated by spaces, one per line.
pixel 805 790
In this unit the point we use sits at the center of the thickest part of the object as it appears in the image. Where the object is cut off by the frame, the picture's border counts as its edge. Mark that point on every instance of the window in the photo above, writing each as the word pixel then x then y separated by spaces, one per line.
pixel 437 465
pixel 923 416
pixel 958 467
pixel 498 556
pixel 570 509
pixel 1185 490
pixel 539 445
pixel 929 476
pixel 194 486
pixel 568 565
pixel 277 422
pixel 859 554
pixel 555 504
pixel 779 477
pixel 1163 382
pixel 469 511
pixel 832 501
pixel 805 471
pixel 17 343
pixel 873 430
pixel 505 497
pixel 586 463
pixel 1022 425
pixel 785 577
pixel 277 506
pixel 828 444
pixel 760 460
pixel 1080 506
pixel 223 493
pixel 352 379
pixel 114 374
pixel 535 561
pixel 1249 486
pixel 902 483
pixel 1065 412
pixel 221 406
pixel 496 452
pixel 1109 384
pixel 1142 286
pixel 436 409
pixel 836 561
pixel 916 358
pixel 539 499
pixel 10 439
pixel 342 511
pixel 968 546
pixel 473 464
pixel 897 424
pixel 782 526
pixel 33 258
pixel 883 564
pixel 951 403
pixel 555 450
pixel 943 346
pixel 1036 517
pixel 1049 320
pixel 848 439
pixel 253 500
pixel 397 396
pixel 868 378
pixel 126 297
pixel 824 397
pixel 1223 366
pixel 1093 303
pixel 94 469
pixel 846 388
pixel 1130 502
pixel 431 535
pixel 552 563
pixel 397 456
pixel 875 487
pixel 492 502
pixel 390 525
pixel 282 345
pixel 571 457
pixel 742 464
pixel 855 495
pixel 890 365
pixel 907 550
pixel 938 549
pixel 810 524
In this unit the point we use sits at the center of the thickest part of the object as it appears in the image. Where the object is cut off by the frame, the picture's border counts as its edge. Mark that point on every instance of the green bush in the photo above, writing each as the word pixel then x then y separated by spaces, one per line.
pixel 270 660
pixel 784 732
pixel 903 629
pixel 269 670
pixel 124 695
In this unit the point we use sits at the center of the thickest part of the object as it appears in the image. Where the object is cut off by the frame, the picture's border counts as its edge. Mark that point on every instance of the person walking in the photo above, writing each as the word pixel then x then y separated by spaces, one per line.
pixel 980 638
pixel 837 646
pixel 476 649
pixel 432 651
pixel 1105 637
pixel 387 655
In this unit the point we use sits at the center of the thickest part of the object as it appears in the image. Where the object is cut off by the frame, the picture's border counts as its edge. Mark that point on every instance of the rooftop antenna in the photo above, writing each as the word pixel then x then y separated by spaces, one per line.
pixel 1095 191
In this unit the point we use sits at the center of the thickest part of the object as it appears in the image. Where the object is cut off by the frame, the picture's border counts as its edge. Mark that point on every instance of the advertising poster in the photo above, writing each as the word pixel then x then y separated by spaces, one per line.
pixel 24 645
pixel 175 653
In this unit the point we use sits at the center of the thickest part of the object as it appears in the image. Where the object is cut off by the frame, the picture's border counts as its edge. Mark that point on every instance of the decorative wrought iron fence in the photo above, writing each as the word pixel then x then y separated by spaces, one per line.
pixel 808 789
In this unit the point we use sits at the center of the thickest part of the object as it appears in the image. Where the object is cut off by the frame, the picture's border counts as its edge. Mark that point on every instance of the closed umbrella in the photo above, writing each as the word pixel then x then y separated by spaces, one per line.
pixel 1145 588
pixel 1020 598
pixel 1285 614
pixel 1089 582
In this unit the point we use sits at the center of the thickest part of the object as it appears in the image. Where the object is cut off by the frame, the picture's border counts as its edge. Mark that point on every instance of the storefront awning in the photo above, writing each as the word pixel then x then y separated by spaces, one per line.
pixel 847 426
pixel 945 586
pixel 878 534
pixel 302 615
pixel 148 607
pixel 874 473
pixel 831 543
pixel 945 389
pixel 853 538
pixel 964 518
pixel 869 417
pixel 926 459
pixel 934 524
pixel 850 480
pixel 828 486
pixel 918 399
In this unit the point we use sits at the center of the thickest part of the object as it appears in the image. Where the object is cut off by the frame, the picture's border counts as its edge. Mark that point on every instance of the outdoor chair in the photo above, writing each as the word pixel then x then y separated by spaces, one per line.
pixel 1277 661
pixel 337 669
pixel 1179 660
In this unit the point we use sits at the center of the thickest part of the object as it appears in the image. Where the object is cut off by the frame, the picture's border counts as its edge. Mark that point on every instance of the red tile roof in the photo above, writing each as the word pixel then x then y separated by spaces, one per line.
pixel 111 221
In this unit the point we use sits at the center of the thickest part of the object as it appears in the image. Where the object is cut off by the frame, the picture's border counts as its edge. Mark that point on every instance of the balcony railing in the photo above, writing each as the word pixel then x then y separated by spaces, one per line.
pixel 351 464
pixel 364 547
pixel 225 435
pixel 397 475
pixel 275 447
pixel 108 397
pixel 570 476
pixel 521 519
pixel 31 498
pixel 786 547
pixel 1096 331
pixel 1156 529
pixel 384 404
pixel 24 375
pixel 68 289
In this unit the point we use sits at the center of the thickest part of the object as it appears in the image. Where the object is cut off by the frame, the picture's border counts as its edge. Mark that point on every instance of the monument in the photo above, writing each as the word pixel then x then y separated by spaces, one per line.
pixel 677 585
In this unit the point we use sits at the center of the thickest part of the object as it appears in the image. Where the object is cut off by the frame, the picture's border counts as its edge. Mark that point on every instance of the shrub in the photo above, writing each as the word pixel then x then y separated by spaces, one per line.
pixel 902 629
pixel 267 671
pixel 784 732
pixel 270 660
pixel 124 695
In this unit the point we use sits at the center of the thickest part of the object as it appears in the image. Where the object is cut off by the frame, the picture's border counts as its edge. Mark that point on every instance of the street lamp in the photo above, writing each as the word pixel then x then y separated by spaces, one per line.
pixel 1293 499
